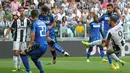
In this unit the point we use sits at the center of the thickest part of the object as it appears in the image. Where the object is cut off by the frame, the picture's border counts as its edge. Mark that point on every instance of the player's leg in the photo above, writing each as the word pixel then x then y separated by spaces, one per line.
pixel 116 62
pixel 109 52
pixel 97 42
pixel 117 59
pixel 15 55
pixel 19 63
pixel 35 55
pixel 102 53
pixel 57 46
pixel 53 52
pixel 24 57
pixel 89 53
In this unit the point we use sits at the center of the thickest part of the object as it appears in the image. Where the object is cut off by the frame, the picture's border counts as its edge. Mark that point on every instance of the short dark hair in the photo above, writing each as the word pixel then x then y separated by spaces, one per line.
pixel 34 13
pixel 111 5
pixel 95 16
pixel 113 18
pixel 45 8
pixel 20 8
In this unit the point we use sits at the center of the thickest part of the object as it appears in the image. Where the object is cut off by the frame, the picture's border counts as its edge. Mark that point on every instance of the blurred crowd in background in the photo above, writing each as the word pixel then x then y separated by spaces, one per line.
pixel 72 16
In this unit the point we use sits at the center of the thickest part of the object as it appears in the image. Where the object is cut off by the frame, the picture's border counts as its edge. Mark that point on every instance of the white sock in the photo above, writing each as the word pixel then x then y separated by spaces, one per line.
pixel 115 57
pixel 97 42
pixel 19 62
pixel 15 59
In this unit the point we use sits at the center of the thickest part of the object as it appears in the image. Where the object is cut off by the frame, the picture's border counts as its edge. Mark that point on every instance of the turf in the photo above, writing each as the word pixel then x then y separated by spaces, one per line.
pixel 69 65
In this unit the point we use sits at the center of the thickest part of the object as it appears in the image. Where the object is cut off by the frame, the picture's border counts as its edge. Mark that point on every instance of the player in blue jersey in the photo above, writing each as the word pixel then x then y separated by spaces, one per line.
pixel 94 33
pixel 105 19
pixel 39 41
pixel 49 20
pixel 113 43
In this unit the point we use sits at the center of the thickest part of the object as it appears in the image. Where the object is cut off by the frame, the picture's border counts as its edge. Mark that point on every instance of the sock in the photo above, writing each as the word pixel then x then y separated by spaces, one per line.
pixel 38 64
pixel 97 42
pixel 88 54
pixel 25 62
pixel 15 59
pixel 115 57
pixel 53 54
pixel 19 62
pixel 41 71
pixel 109 59
pixel 102 53
pixel 58 47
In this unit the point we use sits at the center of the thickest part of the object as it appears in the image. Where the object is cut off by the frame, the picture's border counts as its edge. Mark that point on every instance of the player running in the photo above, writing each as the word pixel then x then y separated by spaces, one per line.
pixel 49 20
pixel 114 42
pixel 94 32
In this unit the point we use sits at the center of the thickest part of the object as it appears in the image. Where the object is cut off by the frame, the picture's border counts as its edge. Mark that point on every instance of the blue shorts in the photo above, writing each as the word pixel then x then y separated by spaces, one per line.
pixel 53 37
pixel 94 39
pixel 37 53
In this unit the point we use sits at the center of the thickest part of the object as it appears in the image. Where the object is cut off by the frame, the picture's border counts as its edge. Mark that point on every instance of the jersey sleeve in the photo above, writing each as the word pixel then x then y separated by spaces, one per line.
pixel 28 23
pixel 101 18
pixel 14 24
pixel 108 35
pixel 33 27
pixel 52 19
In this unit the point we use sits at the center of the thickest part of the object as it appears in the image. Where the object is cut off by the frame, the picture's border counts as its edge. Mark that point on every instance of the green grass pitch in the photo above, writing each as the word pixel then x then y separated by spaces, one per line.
pixel 69 65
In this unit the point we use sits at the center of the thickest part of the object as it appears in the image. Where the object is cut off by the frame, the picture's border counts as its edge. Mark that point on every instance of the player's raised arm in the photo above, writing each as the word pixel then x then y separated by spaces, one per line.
pixel 9 29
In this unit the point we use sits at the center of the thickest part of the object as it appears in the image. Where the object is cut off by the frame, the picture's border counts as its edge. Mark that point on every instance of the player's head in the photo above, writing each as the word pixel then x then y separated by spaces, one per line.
pixel 95 17
pixel 34 14
pixel 110 8
pixel 21 11
pixel 113 21
pixel 44 10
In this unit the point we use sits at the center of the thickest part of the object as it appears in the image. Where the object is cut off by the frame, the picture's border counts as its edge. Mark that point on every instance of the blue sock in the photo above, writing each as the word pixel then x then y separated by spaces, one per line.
pixel 109 59
pixel 88 54
pixel 53 54
pixel 38 64
pixel 25 62
pixel 58 47
pixel 102 53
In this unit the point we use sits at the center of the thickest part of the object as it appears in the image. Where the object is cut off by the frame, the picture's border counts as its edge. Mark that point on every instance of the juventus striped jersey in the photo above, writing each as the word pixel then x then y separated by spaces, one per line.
pixel 20 27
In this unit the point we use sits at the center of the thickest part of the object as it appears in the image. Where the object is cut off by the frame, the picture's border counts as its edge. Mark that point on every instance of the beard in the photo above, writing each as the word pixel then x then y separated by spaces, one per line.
pixel 109 12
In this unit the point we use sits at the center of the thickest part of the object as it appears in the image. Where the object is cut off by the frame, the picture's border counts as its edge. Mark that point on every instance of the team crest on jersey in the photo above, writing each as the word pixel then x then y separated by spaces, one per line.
pixel 96 26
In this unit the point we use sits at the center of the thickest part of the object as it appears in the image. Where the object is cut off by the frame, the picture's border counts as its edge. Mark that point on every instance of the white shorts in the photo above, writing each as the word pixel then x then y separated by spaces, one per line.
pixel 19 45
pixel 114 49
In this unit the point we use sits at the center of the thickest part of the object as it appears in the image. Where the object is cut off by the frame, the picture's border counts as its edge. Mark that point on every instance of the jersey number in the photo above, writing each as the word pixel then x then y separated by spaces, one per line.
pixel 42 31
pixel 120 34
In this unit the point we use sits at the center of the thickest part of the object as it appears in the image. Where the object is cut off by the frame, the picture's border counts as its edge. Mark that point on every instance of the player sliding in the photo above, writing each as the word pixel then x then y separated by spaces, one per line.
pixel 114 42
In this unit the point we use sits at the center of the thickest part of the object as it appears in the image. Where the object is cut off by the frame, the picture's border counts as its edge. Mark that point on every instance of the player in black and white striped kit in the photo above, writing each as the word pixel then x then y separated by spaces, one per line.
pixel 20 27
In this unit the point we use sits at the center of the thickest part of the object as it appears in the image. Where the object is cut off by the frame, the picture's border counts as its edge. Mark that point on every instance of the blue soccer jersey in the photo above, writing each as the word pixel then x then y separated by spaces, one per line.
pixel 48 20
pixel 94 29
pixel 105 18
pixel 40 29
